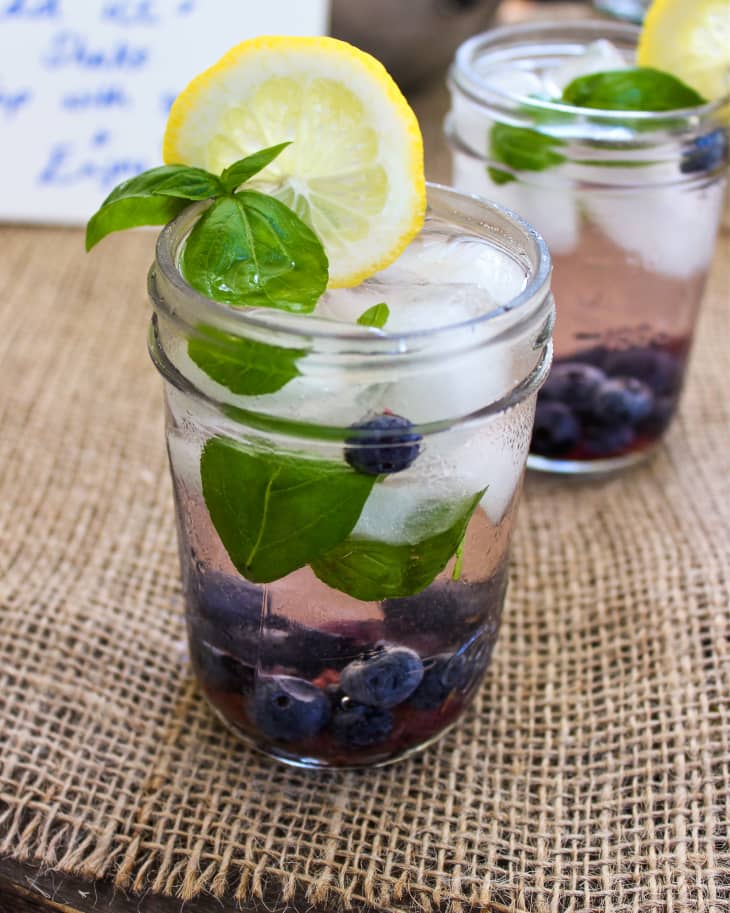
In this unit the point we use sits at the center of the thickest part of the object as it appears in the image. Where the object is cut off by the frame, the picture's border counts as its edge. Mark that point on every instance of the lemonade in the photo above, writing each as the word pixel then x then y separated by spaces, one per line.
pixel 349 400
pixel 629 202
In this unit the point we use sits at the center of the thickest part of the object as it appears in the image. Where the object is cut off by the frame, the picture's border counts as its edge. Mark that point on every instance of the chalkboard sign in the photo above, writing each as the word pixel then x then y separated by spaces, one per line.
pixel 86 85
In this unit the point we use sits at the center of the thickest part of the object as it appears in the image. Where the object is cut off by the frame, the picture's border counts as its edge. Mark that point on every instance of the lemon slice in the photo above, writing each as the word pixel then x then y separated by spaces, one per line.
pixel 354 171
pixel 691 40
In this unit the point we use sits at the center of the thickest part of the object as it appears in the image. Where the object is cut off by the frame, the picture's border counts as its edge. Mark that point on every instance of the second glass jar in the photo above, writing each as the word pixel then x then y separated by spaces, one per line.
pixel 629 203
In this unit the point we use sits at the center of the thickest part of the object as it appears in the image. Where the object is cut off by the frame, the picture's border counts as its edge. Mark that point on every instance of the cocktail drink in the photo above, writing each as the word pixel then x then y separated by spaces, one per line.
pixel 629 202
pixel 346 461
pixel 344 537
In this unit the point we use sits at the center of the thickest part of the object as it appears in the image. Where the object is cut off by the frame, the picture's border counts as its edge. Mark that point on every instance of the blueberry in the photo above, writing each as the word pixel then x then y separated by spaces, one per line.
pixel 289 708
pixel 556 431
pixel 573 383
pixel 450 611
pixel 706 153
pixel 442 674
pixel 389 446
pixel 606 441
pixel 659 418
pixel 228 612
pixel 385 679
pixel 226 601
pixel 654 367
pixel 359 725
pixel 219 670
pixel 622 401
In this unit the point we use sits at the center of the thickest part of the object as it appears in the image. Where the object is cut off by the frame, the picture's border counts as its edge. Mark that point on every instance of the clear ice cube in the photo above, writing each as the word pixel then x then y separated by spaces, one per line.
pixel 671 230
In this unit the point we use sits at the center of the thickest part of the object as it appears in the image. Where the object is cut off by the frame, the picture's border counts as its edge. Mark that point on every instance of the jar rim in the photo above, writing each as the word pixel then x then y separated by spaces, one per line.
pixel 191 306
pixel 465 75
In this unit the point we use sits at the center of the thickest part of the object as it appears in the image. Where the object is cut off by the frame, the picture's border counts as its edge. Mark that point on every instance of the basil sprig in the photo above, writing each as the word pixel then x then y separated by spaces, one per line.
pixel 634 89
pixel 247 248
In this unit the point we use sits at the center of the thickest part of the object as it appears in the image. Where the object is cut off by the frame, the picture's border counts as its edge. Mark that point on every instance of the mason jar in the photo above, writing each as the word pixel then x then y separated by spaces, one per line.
pixel 629 203
pixel 345 494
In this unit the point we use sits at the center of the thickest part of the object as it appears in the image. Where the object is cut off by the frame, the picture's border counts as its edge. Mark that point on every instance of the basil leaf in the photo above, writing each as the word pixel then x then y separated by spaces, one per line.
pixel 370 570
pixel 191 184
pixel 245 168
pixel 376 316
pixel 244 366
pixel 276 512
pixel 130 213
pixel 500 177
pixel 637 89
pixel 145 199
pixel 250 249
pixel 523 149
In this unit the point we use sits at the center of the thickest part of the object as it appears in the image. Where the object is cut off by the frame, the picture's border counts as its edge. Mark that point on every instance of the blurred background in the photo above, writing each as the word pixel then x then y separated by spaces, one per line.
pixel 85 88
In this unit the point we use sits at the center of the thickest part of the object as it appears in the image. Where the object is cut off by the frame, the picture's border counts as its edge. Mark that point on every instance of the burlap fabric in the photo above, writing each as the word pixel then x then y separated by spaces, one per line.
pixel 592 774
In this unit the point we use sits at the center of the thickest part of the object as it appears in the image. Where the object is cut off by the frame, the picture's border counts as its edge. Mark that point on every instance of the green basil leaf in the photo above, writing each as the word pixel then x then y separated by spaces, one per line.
pixel 522 149
pixel 500 177
pixel 636 89
pixel 130 213
pixel 245 168
pixel 276 512
pixel 375 316
pixel 250 249
pixel 145 199
pixel 191 184
pixel 371 570
pixel 244 366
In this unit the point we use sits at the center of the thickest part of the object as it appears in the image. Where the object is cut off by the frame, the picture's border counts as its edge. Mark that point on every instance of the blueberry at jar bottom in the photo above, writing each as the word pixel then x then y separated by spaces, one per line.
pixel 346 694
pixel 606 406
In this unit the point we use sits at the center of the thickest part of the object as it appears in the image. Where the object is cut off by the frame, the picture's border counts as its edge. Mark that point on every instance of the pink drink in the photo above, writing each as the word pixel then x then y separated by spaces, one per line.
pixel 344 537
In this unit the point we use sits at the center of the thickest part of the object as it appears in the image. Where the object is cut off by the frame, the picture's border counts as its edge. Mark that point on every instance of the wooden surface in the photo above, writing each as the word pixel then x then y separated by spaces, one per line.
pixel 24 888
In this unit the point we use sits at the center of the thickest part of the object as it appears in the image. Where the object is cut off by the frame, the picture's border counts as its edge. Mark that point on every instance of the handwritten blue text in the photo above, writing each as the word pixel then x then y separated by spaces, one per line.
pixel 69 164
pixel 103 97
pixel 30 9
pixel 71 49
pixel 11 101
pixel 130 12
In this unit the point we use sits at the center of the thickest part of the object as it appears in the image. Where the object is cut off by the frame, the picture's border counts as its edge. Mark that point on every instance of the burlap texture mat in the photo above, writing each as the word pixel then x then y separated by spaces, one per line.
pixel 592 774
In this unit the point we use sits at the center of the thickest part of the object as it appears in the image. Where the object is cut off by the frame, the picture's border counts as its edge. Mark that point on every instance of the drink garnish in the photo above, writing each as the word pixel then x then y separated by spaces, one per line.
pixel 690 40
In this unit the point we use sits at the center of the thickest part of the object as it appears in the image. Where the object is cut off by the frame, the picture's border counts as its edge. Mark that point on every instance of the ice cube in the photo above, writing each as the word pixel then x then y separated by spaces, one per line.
pixel 514 81
pixel 458 261
pixel 491 457
pixel 348 304
pixel 544 199
pixel 599 56
pixel 452 388
pixel 671 230
pixel 400 510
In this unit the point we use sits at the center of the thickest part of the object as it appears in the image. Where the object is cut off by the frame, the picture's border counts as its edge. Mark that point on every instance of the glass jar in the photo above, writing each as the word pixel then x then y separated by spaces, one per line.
pixel 631 10
pixel 629 203
pixel 344 585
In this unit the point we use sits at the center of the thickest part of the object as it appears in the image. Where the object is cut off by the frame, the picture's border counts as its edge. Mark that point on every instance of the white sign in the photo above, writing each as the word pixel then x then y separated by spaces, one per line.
pixel 86 86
